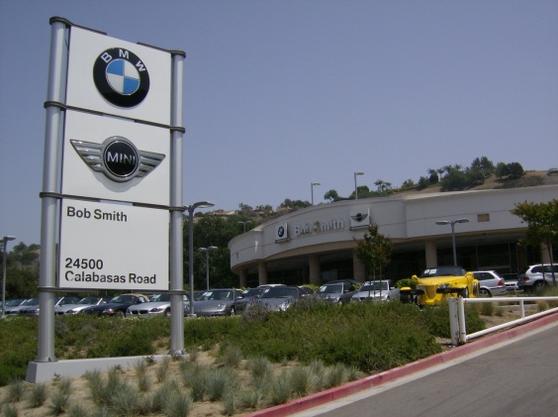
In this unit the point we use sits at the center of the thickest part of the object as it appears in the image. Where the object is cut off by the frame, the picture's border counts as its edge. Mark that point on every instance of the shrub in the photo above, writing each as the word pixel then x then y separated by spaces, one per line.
pixel 229 403
pixel 217 381
pixel 58 403
pixel 37 395
pixel 300 380
pixel 163 369
pixel 126 401
pixel 231 356
pixel 280 391
pixel 178 405
pixel 15 391
pixel 260 368
pixel 162 396
pixel 9 410
pixel 77 410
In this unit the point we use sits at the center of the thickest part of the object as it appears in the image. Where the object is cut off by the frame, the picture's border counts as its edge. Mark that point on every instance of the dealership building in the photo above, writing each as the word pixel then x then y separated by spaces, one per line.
pixel 318 244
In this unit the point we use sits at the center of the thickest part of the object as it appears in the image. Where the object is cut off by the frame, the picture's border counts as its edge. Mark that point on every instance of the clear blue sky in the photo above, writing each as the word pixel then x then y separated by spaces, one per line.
pixel 280 93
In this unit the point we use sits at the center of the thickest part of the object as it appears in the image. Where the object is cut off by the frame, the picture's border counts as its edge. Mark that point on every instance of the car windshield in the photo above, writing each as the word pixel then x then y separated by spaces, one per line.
pixel 88 300
pixel 443 271
pixel 331 289
pixel 217 295
pixel 161 298
pixel 14 303
pixel 375 286
pixel 280 292
pixel 123 299
pixel 68 300
pixel 31 302
pixel 253 292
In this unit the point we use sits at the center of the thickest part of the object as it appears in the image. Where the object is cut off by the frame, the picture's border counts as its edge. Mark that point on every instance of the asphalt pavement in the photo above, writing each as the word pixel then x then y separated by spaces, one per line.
pixel 519 379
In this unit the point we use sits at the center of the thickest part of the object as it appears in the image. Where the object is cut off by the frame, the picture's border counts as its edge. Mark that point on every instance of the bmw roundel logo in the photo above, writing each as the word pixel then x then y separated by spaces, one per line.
pixel 121 77
pixel 281 231
pixel 120 158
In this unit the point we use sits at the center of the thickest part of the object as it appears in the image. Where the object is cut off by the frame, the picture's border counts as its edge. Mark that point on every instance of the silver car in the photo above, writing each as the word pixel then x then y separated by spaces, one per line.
pixel 79 306
pixel 159 304
pixel 28 303
pixel 490 283
pixel 217 302
pixel 278 298
pixel 379 290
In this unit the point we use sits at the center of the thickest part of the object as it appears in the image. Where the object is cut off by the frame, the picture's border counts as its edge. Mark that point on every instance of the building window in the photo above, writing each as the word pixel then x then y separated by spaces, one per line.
pixel 484 217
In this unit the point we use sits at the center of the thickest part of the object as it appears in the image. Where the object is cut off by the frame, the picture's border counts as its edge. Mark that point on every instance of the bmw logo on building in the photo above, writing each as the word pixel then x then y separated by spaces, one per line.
pixel 121 77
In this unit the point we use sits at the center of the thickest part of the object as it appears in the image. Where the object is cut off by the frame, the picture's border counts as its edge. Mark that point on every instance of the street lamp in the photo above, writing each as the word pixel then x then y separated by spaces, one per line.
pixel 452 224
pixel 191 208
pixel 244 223
pixel 312 185
pixel 356 174
pixel 207 250
pixel 5 241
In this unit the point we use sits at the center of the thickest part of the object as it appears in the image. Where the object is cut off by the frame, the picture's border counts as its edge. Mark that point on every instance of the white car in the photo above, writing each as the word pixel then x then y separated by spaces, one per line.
pixel 379 290
pixel 538 275
pixel 490 283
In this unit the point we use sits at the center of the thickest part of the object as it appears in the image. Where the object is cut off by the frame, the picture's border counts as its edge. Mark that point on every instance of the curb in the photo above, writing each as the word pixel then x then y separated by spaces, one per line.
pixel 336 393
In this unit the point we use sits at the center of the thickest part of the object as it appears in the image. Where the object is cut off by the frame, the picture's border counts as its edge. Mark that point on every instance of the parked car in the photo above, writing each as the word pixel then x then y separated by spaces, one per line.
pixel 159 304
pixel 490 283
pixel 117 306
pixel 217 302
pixel 538 276
pixel 78 307
pixel 439 283
pixel 29 302
pixel 306 292
pixel 60 301
pixel 511 280
pixel 14 302
pixel 278 298
pixel 337 291
pixel 249 295
pixel 379 290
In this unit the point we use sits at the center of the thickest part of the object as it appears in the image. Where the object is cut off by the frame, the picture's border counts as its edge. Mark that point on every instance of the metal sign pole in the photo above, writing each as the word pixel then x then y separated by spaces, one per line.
pixel 49 205
pixel 176 217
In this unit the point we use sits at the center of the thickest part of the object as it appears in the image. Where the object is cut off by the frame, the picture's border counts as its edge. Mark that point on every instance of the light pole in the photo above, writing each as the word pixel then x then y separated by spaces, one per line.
pixel 191 208
pixel 207 250
pixel 243 223
pixel 5 241
pixel 312 185
pixel 452 224
pixel 356 174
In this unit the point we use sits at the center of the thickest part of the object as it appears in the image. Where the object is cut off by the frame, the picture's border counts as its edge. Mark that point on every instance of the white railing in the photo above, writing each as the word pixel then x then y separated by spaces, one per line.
pixel 458 326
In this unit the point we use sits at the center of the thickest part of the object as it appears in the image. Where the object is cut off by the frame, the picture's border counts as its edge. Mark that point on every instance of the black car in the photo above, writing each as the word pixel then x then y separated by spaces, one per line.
pixel 117 306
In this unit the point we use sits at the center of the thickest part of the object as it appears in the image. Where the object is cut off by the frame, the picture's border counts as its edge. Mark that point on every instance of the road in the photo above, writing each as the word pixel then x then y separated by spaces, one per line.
pixel 516 380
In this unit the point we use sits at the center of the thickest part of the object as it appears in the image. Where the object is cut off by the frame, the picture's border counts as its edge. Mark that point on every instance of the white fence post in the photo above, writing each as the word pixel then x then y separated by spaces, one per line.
pixel 461 321
pixel 454 321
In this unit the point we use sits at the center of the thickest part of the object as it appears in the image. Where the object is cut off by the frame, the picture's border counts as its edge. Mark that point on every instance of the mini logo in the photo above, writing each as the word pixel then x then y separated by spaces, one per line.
pixel 121 77
pixel 117 158
pixel 359 217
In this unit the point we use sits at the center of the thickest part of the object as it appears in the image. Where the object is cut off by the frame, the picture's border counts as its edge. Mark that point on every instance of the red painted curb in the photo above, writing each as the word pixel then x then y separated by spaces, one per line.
pixel 332 394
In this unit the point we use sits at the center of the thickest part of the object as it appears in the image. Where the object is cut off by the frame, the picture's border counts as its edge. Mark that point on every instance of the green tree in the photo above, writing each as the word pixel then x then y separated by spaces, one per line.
pixel 542 224
pixel 374 251
pixel 332 196
pixel 433 177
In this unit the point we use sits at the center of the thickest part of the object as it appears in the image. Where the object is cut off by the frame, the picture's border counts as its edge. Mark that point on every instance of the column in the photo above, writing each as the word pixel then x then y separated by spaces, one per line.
pixel 242 277
pixel 314 269
pixel 545 256
pixel 430 253
pixel 262 273
pixel 359 269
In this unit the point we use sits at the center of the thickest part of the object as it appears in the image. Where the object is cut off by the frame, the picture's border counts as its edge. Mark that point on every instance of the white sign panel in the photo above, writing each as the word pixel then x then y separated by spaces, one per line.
pixel 117 77
pixel 113 246
pixel 115 159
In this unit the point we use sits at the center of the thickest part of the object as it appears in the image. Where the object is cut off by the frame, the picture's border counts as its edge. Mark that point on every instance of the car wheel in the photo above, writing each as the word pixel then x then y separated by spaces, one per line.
pixel 233 311
pixel 485 293
pixel 539 285
pixel 167 312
